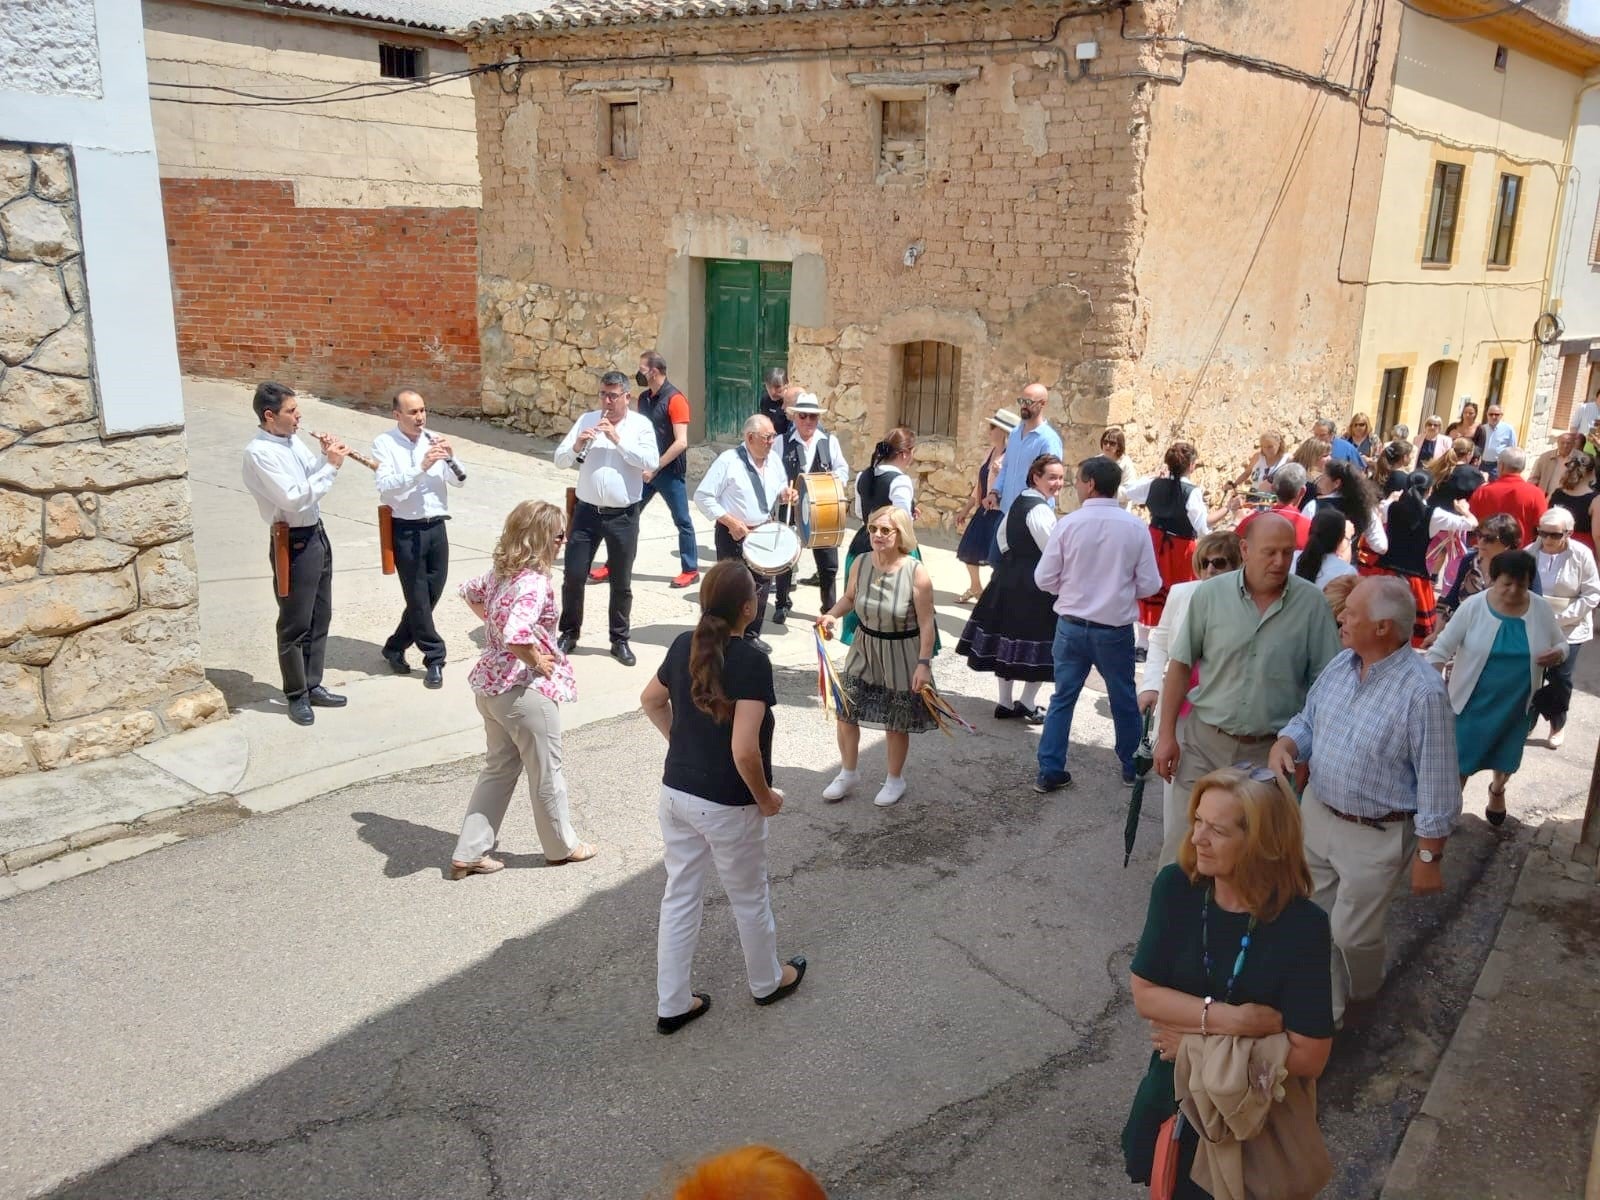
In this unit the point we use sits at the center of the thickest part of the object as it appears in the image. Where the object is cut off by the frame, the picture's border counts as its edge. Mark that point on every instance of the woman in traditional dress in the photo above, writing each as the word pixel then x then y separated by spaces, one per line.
pixel 891 659
pixel 1012 630
pixel 1413 523
pixel 1578 495
pixel 973 550
pixel 1177 517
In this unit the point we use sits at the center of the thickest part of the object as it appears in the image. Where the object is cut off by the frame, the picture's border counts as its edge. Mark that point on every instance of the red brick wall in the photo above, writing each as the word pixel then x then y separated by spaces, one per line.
pixel 343 302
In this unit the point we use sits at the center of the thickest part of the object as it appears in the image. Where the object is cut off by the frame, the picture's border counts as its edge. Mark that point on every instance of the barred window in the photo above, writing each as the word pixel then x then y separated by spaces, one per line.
pixel 930 380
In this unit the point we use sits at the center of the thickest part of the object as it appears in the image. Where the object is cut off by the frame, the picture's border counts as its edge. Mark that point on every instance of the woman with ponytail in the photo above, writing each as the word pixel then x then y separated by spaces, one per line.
pixel 712 700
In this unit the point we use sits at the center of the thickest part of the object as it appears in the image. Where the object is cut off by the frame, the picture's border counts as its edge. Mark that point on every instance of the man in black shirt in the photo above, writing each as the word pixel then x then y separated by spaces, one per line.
pixel 668 410
pixel 769 402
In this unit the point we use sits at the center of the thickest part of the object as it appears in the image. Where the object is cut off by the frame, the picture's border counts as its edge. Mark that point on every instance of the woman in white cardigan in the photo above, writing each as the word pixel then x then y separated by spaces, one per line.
pixel 1571 586
pixel 1214 554
pixel 1496 648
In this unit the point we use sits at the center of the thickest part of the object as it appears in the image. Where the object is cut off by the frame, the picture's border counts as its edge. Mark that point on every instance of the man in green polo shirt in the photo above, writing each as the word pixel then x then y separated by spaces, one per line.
pixel 1260 637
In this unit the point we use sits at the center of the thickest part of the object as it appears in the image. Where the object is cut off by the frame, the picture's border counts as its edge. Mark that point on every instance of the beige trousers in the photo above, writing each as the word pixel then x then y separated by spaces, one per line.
pixel 1205 748
pixel 1355 872
pixel 523 729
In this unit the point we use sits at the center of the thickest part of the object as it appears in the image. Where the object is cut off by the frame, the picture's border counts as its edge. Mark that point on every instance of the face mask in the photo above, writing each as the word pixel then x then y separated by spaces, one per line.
pixel 640 378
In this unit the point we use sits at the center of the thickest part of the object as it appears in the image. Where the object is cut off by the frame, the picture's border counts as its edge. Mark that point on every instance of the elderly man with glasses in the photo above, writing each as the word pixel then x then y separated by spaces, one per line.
pixel 1498 437
pixel 740 492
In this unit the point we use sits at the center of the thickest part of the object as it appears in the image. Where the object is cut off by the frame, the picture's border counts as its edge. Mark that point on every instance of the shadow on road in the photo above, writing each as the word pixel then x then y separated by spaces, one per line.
pixel 408 847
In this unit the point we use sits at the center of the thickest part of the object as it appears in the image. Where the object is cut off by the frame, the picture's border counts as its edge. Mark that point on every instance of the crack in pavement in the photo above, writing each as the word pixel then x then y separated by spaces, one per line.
pixel 983 968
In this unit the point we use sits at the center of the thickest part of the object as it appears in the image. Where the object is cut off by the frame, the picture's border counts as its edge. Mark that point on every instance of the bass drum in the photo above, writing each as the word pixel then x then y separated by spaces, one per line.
pixel 823 511
pixel 771 549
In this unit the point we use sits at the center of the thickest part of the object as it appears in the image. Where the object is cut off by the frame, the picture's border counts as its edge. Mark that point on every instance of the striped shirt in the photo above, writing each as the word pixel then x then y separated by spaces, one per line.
pixel 1383 744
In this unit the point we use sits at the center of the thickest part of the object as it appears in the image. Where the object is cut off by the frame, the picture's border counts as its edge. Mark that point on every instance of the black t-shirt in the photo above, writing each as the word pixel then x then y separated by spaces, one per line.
pixel 700 751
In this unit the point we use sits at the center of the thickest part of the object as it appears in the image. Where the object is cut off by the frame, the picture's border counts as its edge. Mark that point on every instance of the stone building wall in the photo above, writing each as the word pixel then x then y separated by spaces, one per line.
pixel 1025 215
pixel 99 617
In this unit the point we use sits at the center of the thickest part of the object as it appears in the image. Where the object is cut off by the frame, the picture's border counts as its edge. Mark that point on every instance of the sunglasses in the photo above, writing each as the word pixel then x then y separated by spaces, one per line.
pixel 885 530
pixel 1551 534
pixel 1216 564
pixel 1258 774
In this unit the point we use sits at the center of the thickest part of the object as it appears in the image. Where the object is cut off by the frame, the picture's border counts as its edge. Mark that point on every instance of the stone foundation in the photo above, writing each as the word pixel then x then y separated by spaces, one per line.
pixel 99 600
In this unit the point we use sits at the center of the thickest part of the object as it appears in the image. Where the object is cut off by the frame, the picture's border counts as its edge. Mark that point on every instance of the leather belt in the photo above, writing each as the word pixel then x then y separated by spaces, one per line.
pixel 1383 822
pixel 1089 624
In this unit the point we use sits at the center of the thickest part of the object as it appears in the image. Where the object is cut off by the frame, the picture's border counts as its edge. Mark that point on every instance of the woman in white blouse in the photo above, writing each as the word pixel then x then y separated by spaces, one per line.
pixel 1273 453
pixel 1571 587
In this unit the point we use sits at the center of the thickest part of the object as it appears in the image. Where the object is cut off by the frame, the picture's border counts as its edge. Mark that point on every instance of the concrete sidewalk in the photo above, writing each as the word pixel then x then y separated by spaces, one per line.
pixel 84 816
pixel 1514 1102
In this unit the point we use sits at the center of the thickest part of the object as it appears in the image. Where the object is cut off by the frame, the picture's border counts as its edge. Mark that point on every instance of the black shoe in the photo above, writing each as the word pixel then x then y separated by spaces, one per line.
pixel 798 962
pixel 435 676
pixel 1140 654
pixel 397 662
pixel 1034 716
pixel 300 711
pixel 759 645
pixel 780 615
pixel 810 581
pixel 566 642
pixel 623 653
pixel 321 697
pixel 1046 784
pixel 1002 713
pixel 673 1024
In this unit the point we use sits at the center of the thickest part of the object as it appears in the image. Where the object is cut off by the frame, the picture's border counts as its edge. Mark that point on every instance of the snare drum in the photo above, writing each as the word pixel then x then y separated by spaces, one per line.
pixel 823 511
pixel 771 549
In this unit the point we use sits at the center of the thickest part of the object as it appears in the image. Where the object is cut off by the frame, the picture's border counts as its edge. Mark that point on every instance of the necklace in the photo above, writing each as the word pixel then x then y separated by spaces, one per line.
pixel 1205 947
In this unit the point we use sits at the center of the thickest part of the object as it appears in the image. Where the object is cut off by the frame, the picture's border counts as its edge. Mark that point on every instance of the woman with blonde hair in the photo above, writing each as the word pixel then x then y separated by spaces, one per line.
pixel 1359 434
pixel 891 658
pixel 1232 946
pixel 519 681
pixel 1459 453
pixel 712 699
pixel 749 1173
pixel 1272 453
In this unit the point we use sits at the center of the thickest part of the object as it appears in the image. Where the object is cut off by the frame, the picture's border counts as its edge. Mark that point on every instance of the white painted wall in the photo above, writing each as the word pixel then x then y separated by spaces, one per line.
pixel 1576 284
pixel 49 94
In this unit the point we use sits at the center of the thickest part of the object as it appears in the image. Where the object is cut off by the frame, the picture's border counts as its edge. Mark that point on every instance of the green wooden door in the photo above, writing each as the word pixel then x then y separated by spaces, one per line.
pixel 747 333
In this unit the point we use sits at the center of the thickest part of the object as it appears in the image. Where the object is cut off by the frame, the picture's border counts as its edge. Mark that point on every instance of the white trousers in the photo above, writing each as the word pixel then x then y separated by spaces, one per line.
pixel 1355 872
pixel 523 730
pixel 697 834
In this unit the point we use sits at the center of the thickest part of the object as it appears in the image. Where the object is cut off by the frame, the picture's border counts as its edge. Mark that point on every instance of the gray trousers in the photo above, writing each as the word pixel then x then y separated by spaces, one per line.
pixel 523 729
pixel 1205 748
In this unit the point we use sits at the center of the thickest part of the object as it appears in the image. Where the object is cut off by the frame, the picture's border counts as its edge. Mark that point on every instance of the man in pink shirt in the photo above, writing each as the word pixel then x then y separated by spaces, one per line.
pixel 1511 494
pixel 1099 564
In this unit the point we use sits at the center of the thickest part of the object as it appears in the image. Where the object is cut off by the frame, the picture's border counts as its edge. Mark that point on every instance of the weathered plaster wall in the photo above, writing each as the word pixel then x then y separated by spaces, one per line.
pixel 99 616
pixel 49 47
pixel 411 148
pixel 1025 217
pixel 1249 273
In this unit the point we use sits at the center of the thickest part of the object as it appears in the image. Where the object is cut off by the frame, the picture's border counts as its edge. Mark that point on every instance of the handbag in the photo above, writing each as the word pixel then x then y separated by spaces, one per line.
pixel 1164 1166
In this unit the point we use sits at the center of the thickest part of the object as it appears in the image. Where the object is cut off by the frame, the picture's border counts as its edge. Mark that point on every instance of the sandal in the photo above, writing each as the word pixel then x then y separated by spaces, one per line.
pixel 484 866
pixel 970 596
pixel 1496 816
pixel 583 853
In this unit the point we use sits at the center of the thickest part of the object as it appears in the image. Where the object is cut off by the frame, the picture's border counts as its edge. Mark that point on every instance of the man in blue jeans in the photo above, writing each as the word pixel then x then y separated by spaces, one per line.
pixel 668 411
pixel 1099 563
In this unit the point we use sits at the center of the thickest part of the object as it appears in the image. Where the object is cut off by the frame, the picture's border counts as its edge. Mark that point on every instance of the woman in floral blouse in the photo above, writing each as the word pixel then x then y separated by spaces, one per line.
pixel 519 680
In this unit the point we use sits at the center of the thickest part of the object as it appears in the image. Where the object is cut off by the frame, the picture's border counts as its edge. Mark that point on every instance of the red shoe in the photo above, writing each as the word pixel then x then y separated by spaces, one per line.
pixel 685 579
pixel 599 574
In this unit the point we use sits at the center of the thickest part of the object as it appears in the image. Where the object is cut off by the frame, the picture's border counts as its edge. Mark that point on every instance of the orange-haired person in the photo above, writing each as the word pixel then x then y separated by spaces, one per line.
pixel 750 1173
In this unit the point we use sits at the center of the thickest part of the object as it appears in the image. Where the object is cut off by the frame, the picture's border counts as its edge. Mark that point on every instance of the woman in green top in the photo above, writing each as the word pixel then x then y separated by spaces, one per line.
pixel 1232 945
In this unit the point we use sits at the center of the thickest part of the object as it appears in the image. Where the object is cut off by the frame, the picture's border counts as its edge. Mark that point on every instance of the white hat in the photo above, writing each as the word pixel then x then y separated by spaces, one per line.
pixel 806 402
pixel 1005 419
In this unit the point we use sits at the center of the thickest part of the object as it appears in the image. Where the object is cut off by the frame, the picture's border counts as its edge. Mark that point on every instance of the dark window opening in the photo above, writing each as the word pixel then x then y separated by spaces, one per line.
pixel 402 62
pixel 1505 220
pixel 1501 54
pixel 1443 209
pixel 1391 397
pixel 1497 383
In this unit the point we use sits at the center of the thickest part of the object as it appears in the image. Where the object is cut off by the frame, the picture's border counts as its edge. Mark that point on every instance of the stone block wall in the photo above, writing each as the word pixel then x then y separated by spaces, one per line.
pixel 344 302
pixel 1026 211
pixel 99 615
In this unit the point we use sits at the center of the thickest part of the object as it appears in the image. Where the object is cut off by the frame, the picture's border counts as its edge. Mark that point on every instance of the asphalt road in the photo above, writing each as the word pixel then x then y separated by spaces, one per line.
pixel 301 1005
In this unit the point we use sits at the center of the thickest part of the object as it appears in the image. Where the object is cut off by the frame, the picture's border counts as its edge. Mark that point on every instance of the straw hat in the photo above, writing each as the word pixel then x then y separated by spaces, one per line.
pixel 806 402
pixel 1005 419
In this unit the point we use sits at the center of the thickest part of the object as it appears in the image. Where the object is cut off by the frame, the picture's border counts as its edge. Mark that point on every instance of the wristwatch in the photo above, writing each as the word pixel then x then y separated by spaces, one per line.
pixel 1431 856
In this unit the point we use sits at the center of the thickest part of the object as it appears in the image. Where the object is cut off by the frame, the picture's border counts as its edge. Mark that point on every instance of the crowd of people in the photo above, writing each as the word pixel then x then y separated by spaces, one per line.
pixel 1330 648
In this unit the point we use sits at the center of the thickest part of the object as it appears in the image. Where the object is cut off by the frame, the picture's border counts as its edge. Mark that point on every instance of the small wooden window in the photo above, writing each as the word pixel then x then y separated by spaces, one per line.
pixel 1501 56
pixel 930 380
pixel 624 126
pixel 903 140
pixel 402 62
pixel 1391 397
pixel 1497 382
pixel 1443 209
pixel 1505 220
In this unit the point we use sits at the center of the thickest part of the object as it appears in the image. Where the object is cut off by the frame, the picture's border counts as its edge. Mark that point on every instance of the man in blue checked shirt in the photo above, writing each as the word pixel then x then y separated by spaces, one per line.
pixel 1384 794
pixel 1032 437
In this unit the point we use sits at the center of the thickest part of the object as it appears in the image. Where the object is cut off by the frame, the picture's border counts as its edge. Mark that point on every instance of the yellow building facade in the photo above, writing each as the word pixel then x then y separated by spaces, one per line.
pixel 1474 166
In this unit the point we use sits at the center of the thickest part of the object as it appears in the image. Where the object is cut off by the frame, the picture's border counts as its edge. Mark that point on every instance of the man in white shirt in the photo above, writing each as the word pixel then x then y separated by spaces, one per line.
pixel 1583 420
pixel 287 481
pixel 808 450
pixel 415 470
pixel 1099 564
pixel 741 491
pixel 612 448
pixel 1497 437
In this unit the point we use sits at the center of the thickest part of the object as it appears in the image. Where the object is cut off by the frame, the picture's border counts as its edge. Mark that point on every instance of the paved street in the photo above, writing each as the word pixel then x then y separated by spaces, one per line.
pixel 301 1005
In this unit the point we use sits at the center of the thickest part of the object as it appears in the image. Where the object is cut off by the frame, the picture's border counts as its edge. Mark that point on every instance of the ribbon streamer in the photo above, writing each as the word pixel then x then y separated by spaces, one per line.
pixel 943 715
pixel 834 702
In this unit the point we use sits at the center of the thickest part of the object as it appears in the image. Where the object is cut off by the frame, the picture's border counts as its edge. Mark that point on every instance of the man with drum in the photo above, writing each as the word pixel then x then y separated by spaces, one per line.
pixel 741 493
pixel 811 450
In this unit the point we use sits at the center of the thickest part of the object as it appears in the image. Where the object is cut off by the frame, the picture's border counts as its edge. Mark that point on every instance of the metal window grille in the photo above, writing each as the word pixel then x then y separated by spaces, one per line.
pixel 1443 209
pixel 402 62
pixel 930 381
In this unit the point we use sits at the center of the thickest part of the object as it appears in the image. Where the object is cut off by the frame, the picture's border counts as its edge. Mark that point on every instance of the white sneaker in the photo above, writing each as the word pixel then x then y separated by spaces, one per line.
pixel 889 794
pixel 843 784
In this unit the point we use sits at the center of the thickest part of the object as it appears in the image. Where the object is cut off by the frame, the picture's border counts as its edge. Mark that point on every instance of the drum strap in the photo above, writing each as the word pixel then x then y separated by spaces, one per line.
pixel 755 480
pixel 899 635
